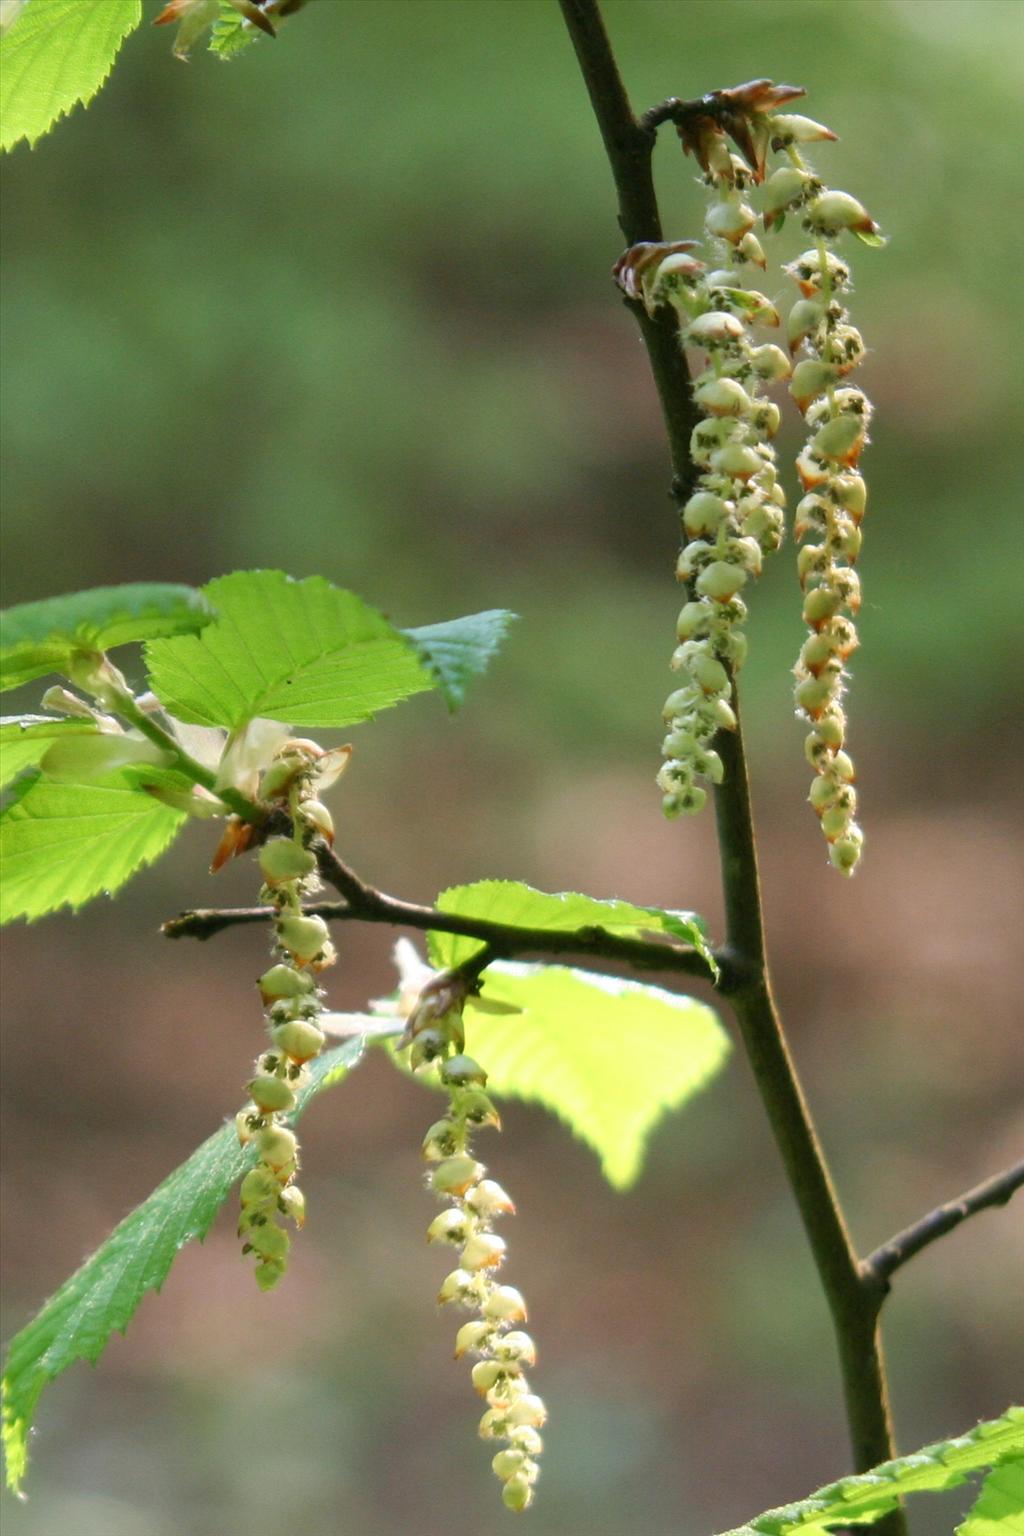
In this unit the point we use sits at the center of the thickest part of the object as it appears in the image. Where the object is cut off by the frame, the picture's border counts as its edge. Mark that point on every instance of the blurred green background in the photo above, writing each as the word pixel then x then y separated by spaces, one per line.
pixel 344 307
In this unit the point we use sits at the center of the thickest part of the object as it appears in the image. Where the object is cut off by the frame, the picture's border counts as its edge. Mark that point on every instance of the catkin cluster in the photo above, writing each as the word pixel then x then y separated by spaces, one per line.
pixel 734 516
pixel 828 518
pixel 473 1202
pixel 293 1004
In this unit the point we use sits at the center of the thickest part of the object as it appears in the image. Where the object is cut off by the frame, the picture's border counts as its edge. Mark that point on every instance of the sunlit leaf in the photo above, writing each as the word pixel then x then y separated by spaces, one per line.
pixel 461 649
pixel 61 844
pixel 25 740
pixel 303 652
pixel 56 54
pixel 510 901
pixel 999 1507
pixel 36 638
pixel 865 1497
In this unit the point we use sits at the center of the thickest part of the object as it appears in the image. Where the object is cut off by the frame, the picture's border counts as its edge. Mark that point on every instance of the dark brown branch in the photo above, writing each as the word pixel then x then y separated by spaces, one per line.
pixel 629 147
pixel 880 1266
pixel 363 903
pixel 853 1306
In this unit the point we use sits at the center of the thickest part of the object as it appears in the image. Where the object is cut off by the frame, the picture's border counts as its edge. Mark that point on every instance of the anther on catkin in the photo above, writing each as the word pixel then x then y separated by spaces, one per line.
pixel 472 1205
pixel 293 1003
pixel 827 526
pixel 734 516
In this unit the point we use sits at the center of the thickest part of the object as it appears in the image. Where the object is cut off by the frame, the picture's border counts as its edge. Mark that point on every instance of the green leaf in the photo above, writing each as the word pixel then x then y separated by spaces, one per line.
pixel 101 1297
pixel 61 844
pixel 230 35
pixel 609 1057
pixel 55 54
pixel 864 1498
pixel 36 638
pixel 460 650
pixel 25 740
pixel 304 652
pixel 509 901
pixel 999 1508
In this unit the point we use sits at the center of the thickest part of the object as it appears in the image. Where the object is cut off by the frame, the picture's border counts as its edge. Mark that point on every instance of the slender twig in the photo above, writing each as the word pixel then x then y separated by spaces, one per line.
pixel 881 1265
pixel 854 1309
pixel 363 903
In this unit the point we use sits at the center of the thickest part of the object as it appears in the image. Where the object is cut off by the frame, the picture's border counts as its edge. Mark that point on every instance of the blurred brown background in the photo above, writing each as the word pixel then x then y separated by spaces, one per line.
pixel 344 306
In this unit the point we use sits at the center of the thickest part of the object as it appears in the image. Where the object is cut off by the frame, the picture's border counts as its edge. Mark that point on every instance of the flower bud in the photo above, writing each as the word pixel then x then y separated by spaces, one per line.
pixel 729 221
pixel 766 419
pixel 816 652
pixel 277 1146
pixel 484 1250
pixel 487 1200
pixel 693 619
pixel 282 981
pixel 836 820
pixel 440 1141
pixel 736 460
pixel 806 272
pixel 293 1203
pixel 820 605
pixel 842 768
pixel 299 1039
pixel 316 815
pixel 524 1437
pixel 507 1463
pixel 804 319
pixel 303 937
pixel 843 348
pixel 516 1347
pixel 428 1046
pixel 456 1174
pixel 769 362
pixel 493 1424
pixel 704 513
pixel 477 1109
pixel 714 329
pixel 460 1071
pixel 811 377
pixel 845 853
pixel 527 1409
pixel 720 581
pixel 504 1304
pixel 722 397
pixel 270 1242
pixel 789 128
pixel 517 1493
pixel 485 1375
pixel 271 1094
pixel 835 211
pixel 259 1188
pixel 784 189
pixel 813 694
pixel 448 1226
pixel 749 248
pixel 709 675
pixel 459 1286
pixel 283 860
pixel 473 1336
pixel 246 1125
pixel 851 494
pixel 268 1274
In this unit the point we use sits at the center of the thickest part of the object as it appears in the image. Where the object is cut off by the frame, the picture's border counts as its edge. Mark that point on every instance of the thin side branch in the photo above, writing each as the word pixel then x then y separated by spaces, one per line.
pixel 880 1266
pixel 363 903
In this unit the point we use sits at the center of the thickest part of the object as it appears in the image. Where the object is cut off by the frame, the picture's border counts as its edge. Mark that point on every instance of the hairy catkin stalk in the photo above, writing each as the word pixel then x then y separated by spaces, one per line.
pixel 828 517
pixel 734 516
pixel 293 1004
pixel 514 1413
